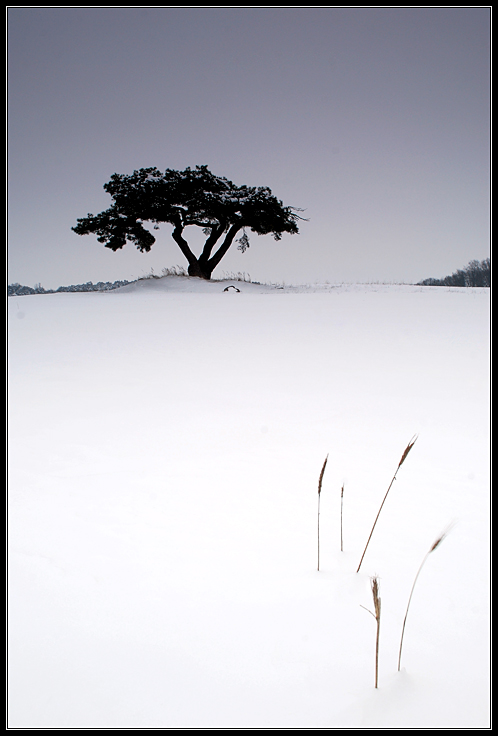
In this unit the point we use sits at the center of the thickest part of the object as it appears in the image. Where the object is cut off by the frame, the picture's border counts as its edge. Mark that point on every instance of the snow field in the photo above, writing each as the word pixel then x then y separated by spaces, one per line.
pixel 165 445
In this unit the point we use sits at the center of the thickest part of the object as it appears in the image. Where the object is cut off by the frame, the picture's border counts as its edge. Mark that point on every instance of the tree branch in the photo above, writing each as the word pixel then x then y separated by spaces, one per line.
pixel 213 262
pixel 182 243
pixel 214 236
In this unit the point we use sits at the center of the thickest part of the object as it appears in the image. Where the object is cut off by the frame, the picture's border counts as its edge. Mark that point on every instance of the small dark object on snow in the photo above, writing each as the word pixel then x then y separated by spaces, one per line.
pixel 232 287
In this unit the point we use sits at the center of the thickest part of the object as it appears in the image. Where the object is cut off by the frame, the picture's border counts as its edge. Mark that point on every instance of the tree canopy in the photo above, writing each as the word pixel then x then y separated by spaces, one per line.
pixel 190 197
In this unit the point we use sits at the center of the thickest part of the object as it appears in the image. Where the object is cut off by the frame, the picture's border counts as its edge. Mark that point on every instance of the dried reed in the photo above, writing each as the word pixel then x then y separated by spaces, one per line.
pixel 342 494
pixel 403 458
pixel 320 479
pixel 434 546
pixel 374 581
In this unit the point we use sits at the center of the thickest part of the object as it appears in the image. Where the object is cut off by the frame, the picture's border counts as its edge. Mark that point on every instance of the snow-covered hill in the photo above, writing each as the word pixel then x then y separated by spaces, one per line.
pixel 165 444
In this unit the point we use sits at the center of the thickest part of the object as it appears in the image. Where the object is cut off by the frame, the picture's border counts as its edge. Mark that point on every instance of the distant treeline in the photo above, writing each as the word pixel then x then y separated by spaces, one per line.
pixel 477 273
pixel 19 290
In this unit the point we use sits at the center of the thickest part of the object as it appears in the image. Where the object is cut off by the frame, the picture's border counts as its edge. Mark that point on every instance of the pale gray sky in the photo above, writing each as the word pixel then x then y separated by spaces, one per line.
pixel 376 121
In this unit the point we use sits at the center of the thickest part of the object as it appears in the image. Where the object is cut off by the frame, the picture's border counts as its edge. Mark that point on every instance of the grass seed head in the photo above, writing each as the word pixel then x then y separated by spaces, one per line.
pixel 407 450
pixel 321 475
pixel 375 592
pixel 441 537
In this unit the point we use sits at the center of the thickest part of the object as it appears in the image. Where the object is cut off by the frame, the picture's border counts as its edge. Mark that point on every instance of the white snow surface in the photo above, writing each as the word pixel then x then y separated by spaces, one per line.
pixel 165 444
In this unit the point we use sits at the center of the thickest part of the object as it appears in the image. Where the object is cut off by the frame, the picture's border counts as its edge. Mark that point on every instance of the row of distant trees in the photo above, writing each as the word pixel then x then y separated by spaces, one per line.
pixel 476 273
pixel 19 290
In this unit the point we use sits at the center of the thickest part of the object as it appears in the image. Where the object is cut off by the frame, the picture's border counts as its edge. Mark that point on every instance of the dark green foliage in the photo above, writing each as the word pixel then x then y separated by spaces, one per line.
pixel 474 274
pixel 182 198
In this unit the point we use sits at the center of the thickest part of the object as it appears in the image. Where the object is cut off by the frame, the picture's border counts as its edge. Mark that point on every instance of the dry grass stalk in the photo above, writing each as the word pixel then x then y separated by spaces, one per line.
pixel 403 458
pixel 375 593
pixel 342 494
pixel 374 582
pixel 320 479
pixel 436 544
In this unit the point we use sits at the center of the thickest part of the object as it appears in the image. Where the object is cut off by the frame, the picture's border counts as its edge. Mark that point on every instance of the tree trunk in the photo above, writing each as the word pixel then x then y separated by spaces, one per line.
pixel 204 266
pixel 196 266
pixel 201 270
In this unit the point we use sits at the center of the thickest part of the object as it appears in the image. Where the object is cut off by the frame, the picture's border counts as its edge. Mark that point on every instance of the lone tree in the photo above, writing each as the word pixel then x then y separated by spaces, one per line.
pixel 182 198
